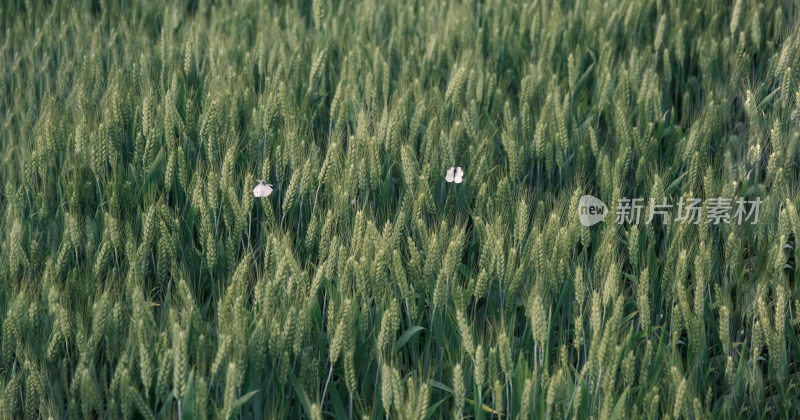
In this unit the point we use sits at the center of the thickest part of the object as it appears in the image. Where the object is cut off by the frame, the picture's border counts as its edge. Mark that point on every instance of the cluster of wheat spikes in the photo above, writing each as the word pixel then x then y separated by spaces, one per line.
pixel 140 278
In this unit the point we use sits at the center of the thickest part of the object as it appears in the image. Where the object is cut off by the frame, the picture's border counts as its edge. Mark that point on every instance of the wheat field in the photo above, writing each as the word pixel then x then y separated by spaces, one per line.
pixel 140 277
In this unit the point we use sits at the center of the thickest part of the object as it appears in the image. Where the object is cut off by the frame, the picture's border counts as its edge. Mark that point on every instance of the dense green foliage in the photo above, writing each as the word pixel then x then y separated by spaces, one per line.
pixel 139 277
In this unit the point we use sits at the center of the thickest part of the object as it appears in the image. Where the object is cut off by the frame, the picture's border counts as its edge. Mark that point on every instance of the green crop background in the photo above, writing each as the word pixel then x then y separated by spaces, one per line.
pixel 139 277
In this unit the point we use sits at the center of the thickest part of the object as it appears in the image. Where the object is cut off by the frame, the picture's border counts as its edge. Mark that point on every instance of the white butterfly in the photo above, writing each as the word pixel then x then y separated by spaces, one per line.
pixel 454 174
pixel 262 189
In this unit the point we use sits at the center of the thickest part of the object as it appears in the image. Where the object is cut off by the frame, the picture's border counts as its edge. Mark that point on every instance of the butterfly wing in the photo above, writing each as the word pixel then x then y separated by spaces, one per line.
pixel 258 190
pixel 262 190
pixel 459 175
pixel 450 175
